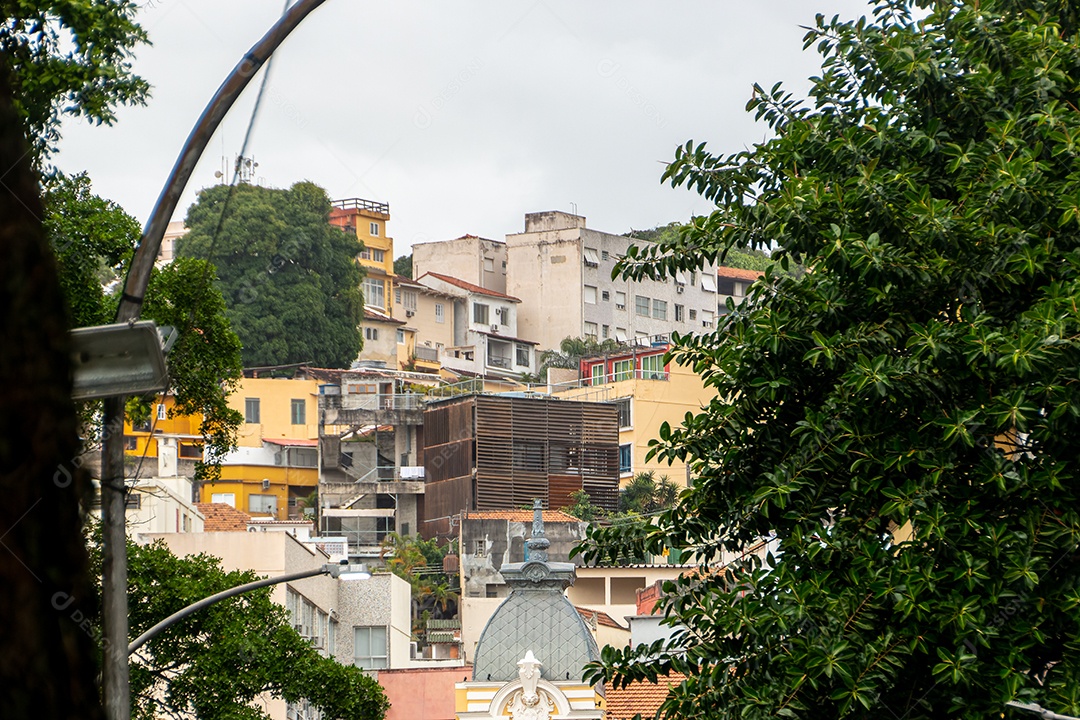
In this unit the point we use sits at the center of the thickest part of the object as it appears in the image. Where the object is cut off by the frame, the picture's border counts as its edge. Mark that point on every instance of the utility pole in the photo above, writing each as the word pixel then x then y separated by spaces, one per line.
pixel 116 684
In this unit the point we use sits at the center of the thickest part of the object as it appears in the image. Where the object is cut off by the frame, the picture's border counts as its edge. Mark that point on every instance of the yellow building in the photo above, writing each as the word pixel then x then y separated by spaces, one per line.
pixel 649 393
pixel 142 439
pixel 367 220
pixel 277 461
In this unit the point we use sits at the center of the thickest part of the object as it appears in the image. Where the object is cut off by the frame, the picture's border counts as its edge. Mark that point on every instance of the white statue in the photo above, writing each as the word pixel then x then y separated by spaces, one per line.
pixel 528 703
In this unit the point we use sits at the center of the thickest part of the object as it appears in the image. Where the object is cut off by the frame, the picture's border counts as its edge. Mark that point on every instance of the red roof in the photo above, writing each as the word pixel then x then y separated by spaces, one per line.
pixel 738 273
pixel 223 518
pixel 644 698
pixel 600 618
pixel 469 286
pixel 289 442
pixel 556 516
pixel 372 316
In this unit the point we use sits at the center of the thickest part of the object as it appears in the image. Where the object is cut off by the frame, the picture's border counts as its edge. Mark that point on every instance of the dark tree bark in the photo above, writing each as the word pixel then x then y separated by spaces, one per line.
pixel 47 666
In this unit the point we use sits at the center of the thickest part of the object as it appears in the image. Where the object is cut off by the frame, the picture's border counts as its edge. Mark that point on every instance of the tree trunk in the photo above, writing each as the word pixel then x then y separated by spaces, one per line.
pixel 47 667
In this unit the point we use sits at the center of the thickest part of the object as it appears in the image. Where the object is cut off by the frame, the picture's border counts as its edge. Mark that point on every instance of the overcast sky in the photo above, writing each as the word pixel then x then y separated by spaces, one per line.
pixel 463 116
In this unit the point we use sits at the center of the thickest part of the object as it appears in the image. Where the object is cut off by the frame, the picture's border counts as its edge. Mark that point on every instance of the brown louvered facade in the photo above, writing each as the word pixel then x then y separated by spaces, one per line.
pixel 485 452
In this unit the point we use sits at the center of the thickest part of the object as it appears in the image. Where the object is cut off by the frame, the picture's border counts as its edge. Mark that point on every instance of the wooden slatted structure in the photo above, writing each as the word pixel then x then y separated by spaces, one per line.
pixel 488 452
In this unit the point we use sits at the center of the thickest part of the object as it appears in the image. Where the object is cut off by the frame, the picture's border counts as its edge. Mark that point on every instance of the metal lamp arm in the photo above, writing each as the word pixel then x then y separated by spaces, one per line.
pixel 223 595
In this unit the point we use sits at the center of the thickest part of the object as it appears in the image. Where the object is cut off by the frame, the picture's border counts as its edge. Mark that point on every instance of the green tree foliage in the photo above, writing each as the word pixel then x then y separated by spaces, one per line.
pixel 644 494
pixel 921 375
pixel 582 507
pixel 215 663
pixel 419 562
pixel 94 241
pixel 745 258
pixel 290 280
pixel 69 58
pixel 403 266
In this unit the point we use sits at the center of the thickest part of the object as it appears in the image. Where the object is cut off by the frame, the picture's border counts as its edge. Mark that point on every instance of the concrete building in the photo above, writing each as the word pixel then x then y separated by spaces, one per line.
pixel 486 341
pixel 473 259
pixel 733 283
pixel 647 392
pixel 562 271
pixel 613 590
pixel 158 504
pixel 381 336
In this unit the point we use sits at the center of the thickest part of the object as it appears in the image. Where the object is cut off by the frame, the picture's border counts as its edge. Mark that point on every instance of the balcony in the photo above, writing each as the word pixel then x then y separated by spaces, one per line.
pixel 500 361
pixel 426 354
pixel 372 409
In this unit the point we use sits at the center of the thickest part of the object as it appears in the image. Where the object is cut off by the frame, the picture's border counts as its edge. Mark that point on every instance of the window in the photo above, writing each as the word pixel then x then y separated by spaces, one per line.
pixel 160 412
pixel 598 374
pixel 378 255
pixel 131 442
pixel 373 228
pixel 491 590
pixel 262 504
pixel 605 331
pixel 592 258
pixel 620 335
pixel 374 293
pixel 603 254
pixel 224 498
pixel 481 548
pixel 397 296
pixel 331 637
pixel 620 300
pixel 408 300
pixel 623 404
pixel 522 352
pixel 678 313
pixel 652 367
pixel 299 412
pixel 502 314
pixel 693 314
pixel 622 370
pixel 480 313
pixel 706 318
pixel 440 313
pixel 605 295
pixel 590 330
pixel 489 264
pixel 641 305
pixel 680 278
pixel 369 648
pixel 400 336
pixel 371 333
pixel 590 294
pixel 659 309
pixel 626 459
pixel 693 277
pixel 708 282
pixel 251 410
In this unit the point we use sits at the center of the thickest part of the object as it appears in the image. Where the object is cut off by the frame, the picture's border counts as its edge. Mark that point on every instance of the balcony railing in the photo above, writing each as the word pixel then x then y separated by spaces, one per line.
pixel 613 377
pixel 361 204
pixel 373 401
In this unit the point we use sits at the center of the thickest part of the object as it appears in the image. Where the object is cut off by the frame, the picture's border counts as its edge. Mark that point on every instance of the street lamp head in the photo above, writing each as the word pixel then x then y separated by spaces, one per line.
pixel 345 571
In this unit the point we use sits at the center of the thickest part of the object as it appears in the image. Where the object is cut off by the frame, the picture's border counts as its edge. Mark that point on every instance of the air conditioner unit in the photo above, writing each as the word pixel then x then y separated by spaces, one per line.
pixel 495 328
pixel 409 313
pixel 679 289
pixel 266 484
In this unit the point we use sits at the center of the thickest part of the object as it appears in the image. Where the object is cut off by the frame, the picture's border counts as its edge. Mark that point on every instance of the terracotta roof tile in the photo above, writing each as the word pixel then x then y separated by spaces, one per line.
pixel 557 516
pixel 469 286
pixel 223 518
pixel 738 273
pixel 644 698
pixel 601 618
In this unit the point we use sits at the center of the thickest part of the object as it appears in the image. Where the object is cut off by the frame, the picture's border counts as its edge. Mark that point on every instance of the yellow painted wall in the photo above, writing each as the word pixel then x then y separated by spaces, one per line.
pixel 141 443
pixel 245 480
pixel 275 409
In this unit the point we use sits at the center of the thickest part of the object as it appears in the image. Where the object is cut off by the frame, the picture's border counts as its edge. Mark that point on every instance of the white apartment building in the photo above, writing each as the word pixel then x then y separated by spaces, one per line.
pixel 562 271
pixel 486 338
pixel 470 258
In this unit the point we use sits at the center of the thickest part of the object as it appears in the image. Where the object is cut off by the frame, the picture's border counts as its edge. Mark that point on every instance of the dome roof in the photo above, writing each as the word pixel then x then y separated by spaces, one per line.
pixel 540 619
